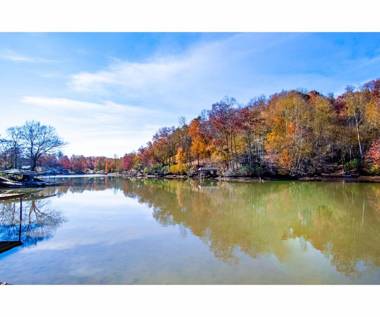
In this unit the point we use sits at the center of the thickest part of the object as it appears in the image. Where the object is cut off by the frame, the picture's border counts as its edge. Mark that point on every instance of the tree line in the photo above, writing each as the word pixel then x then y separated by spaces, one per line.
pixel 291 133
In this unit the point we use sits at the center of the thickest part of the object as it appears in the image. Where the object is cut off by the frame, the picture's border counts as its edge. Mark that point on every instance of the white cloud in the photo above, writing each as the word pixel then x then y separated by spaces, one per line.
pixel 13 56
pixel 187 82
pixel 65 104
pixel 132 75
pixel 241 65
pixel 95 128
pixel 165 82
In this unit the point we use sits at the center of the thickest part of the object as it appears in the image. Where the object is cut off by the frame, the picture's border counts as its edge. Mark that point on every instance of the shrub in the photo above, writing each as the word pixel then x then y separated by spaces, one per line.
pixel 351 165
pixel 178 169
pixel 372 158
pixel 374 169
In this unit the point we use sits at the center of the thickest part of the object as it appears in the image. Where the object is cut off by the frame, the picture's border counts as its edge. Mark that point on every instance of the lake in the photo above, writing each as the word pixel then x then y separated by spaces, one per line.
pixel 110 230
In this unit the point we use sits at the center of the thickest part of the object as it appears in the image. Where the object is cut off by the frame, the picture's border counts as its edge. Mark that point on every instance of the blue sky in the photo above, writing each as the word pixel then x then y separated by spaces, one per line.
pixel 108 93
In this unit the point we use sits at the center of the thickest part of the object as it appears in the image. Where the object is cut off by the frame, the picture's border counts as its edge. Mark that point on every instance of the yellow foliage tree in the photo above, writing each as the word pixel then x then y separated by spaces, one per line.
pixel 198 141
pixel 288 118
pixel 180 166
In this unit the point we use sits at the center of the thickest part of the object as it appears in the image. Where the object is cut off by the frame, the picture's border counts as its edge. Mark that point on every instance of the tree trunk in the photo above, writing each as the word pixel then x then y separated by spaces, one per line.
pixel 358 136
pixel 249 143
pixel 33 163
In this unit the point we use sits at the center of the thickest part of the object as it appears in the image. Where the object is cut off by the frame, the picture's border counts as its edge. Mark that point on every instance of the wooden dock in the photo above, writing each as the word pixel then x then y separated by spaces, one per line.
pixel 10 196
pixel 7 245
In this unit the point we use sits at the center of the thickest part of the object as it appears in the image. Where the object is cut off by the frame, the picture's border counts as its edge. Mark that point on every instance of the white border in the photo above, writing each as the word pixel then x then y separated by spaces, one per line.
pixel 179 16
pixel 194 15
pixel 188 301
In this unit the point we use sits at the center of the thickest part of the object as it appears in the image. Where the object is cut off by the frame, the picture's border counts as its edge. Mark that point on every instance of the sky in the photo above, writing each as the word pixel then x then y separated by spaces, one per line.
pixel 108 93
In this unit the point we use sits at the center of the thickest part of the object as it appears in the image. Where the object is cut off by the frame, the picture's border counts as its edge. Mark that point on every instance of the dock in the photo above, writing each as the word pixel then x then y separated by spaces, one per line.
pixel 11 196
pixel 8 245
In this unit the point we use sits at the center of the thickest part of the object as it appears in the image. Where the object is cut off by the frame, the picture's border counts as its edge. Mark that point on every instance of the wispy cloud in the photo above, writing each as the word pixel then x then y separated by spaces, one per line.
pixel 161 69
pixel 65 104
pixel 85 125
pixel 192 79
pixel 16 57
pixel 132 75
pixel 241 65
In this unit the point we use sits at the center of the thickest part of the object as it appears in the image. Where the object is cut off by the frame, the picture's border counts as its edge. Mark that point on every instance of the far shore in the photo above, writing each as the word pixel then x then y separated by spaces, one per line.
pixel 240 179
pixel 57 180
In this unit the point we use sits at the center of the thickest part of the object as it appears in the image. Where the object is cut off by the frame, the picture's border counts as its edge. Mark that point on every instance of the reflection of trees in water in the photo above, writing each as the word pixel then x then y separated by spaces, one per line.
pixel 82 184
pixel 342 221
pixel 39 220
pixel 9 221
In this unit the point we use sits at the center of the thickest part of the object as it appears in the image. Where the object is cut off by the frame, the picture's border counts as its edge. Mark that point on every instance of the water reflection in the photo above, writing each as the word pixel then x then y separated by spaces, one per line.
pixel 340 220
pixel 28 220
pixel 125 231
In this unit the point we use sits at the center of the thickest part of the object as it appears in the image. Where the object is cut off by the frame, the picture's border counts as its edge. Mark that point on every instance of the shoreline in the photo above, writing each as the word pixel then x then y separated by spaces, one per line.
pixel 244 179
pixel 360 179
pixel 241 179
pixel 232 179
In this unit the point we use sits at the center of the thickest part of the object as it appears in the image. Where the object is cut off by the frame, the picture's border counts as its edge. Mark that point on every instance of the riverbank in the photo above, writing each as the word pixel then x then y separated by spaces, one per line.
pixel 241 179
pixel 360 179
pixel 51 180
pixel 244 179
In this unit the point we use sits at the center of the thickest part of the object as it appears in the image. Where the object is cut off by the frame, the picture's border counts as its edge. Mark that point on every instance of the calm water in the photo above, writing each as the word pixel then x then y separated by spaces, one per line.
pixel 115 231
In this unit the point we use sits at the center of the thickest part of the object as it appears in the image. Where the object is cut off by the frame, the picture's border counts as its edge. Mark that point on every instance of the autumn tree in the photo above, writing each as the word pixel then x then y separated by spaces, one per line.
pixel 78 163
pixel 180 166
pixel 252 126
pixel 356 103
pixel 129 161
pixel 163 147
pixel 65 162
pixel 372 158
pixel 359 112
pixel 222 129
pixel 198 140
pixel 322 129
pixel 288 117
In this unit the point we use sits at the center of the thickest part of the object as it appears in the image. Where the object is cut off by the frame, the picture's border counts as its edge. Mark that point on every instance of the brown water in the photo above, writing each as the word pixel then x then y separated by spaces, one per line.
pixel 114 231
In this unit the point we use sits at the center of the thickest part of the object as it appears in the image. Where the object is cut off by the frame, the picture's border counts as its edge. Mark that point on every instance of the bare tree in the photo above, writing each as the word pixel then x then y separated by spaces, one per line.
pixel 14 145
pixel 3 152
pixel 38 139
pixel 10 149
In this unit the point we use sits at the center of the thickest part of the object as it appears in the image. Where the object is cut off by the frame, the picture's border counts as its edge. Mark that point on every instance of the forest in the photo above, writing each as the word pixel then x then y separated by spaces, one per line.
pixel 289 134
